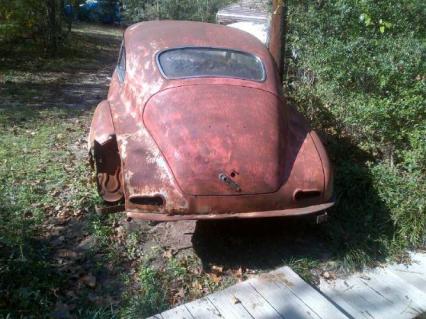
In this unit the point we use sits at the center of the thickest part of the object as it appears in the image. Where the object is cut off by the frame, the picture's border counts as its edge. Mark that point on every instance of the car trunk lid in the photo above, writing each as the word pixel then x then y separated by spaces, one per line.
pixel 219 139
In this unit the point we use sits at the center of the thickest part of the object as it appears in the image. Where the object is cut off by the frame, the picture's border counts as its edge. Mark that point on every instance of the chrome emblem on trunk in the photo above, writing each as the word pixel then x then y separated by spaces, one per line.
pixel 230 182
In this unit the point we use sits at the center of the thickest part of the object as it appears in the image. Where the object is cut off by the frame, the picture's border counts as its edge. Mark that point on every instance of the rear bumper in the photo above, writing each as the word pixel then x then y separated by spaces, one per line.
pixel 273 213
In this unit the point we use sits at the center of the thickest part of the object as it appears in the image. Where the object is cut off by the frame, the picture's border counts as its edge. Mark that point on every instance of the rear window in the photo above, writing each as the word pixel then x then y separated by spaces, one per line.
pixel 210 62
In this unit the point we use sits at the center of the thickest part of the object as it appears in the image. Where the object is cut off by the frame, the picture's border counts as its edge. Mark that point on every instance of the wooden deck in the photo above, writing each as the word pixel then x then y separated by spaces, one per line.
pixel 397 291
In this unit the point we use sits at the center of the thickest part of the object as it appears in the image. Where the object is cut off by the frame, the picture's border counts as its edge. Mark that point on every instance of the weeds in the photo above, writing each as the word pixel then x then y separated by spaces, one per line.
pixel 159 288
pixel 31 176
pixel 303 267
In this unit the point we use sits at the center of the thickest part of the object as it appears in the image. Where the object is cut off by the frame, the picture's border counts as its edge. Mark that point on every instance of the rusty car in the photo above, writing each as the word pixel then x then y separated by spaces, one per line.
pixel 195 126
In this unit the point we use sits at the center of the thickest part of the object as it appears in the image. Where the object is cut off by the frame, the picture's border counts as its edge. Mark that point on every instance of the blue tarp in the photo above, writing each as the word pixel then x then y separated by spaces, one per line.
pixel 99 11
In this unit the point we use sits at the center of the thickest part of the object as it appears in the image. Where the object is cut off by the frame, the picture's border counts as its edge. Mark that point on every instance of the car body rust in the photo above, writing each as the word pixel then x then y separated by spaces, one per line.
pixel 203 147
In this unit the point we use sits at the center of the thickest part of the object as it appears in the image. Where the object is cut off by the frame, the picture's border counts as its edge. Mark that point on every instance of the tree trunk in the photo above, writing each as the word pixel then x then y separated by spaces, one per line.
pixel 54 27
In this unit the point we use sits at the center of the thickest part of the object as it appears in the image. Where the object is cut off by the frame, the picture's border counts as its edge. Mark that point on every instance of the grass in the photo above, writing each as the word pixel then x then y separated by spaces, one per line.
pixel 178 279
pixel 34 182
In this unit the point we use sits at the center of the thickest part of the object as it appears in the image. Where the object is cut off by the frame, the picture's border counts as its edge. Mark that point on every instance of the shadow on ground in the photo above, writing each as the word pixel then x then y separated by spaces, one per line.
pixel 258 244
pixel 356 234
pixel 77 78
pixel 54 251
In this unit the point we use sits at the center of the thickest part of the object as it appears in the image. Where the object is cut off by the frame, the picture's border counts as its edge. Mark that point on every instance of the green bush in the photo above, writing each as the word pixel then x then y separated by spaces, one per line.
pixel 35 20
pixel 203 10
pixel 356 69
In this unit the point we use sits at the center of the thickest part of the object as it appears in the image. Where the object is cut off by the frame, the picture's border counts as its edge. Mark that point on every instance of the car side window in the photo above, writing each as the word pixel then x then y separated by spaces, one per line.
pixel 121 65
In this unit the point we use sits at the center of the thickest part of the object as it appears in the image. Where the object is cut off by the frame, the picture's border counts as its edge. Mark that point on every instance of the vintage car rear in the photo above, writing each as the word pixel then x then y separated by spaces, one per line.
pixel 195 127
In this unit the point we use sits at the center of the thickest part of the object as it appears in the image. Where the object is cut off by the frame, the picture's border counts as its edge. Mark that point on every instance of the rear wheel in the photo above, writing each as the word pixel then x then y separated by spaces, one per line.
pixel 107 164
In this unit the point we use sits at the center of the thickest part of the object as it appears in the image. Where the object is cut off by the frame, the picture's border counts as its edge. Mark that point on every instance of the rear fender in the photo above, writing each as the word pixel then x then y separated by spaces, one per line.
pixel 326 166
pixel 104 154
pixel 102 128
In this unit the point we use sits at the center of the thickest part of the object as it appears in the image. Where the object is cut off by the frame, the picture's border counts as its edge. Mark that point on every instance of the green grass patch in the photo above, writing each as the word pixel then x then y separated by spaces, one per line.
pixel 160 287
pixel 35 179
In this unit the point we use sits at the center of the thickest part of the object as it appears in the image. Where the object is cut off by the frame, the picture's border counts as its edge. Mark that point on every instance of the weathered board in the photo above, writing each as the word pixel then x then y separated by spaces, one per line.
pixel 178 312
pixel 382 292
pixel 377 293
pixel 244 296
pixel 203 308
pixel 280 294
pixel 414 273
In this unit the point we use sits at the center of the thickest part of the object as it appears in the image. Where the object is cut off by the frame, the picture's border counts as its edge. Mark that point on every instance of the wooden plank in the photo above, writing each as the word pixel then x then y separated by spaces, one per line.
pixel 355 294
pixel 203 308
pixel 252 301
pixel 418 257
pixel 376 294
pixel 397 291
pixel 412 277
pixel 281 298
pixel 414 273
pixel 406 300
pixel 228 306
pixel 179 312
pixel 337 299
pixel 310 296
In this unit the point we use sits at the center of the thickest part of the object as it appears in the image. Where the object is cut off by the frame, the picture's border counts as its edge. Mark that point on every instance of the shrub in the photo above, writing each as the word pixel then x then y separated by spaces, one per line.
pixel 40 21
pixel 204 10
pixel 356 69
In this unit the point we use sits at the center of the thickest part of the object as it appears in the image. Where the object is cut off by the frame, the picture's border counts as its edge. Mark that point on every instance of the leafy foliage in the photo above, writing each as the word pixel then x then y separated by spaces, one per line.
pixel 357 71
pixel 201 10
pixel 36 20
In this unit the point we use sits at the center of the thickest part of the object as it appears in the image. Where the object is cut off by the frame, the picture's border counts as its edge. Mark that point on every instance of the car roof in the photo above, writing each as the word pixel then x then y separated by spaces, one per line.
pixel 168 34
pixel 144 40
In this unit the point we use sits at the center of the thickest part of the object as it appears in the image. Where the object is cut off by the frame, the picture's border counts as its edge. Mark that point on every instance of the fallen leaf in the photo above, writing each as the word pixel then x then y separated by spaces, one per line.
pixel 89 280
pixel 239 273
pixel 197 285
pixel 216 279
pixel 66 253
pixel 328 275
pixel 168 254
pixel 121 232
pixel 178 297
pixel 235 300
pixel 217 270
